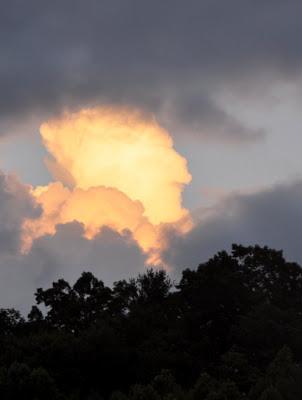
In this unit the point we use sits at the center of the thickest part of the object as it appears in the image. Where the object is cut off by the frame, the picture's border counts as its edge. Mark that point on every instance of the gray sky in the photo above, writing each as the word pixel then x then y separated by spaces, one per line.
pixel 224 78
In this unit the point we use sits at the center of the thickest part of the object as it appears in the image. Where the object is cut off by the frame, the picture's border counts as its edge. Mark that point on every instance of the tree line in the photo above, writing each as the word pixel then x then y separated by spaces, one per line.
pixel 230 329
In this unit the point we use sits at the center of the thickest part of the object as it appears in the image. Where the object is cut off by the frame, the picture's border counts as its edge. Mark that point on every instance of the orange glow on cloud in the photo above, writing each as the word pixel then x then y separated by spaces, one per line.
pixel 114 167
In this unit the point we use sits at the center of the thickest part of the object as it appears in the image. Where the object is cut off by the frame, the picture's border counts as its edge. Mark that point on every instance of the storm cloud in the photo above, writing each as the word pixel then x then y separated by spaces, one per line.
pixel 170 58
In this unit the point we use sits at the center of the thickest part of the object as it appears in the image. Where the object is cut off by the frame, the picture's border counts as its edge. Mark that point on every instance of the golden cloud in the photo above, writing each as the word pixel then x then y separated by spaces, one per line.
pixel 113 167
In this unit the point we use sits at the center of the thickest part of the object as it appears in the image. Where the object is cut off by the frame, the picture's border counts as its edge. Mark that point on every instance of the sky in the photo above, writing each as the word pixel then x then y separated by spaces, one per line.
pixel 137 133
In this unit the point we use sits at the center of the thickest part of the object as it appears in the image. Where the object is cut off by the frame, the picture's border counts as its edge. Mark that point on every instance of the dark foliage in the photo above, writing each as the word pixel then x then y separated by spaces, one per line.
pixel 231 329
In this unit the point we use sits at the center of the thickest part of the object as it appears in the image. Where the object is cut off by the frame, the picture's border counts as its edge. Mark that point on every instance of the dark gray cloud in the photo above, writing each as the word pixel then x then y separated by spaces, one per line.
pixel 67 53
pixel 201 117
pixel 271 217
pixel 109 256
pixel 16 204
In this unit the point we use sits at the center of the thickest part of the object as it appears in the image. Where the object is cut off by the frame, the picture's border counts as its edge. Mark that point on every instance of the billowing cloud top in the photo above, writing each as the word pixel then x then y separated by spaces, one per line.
pixel 119 169
pixel 119 148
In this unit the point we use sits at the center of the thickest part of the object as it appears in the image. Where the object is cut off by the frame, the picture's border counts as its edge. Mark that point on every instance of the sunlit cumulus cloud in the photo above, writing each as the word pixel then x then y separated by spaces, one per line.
pixel 113 167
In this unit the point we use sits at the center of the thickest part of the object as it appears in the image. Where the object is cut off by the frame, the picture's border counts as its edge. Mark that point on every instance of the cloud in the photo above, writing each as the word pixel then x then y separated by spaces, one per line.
pixel 95 208
pixel 16 203
pixel 67 253
pixel 120 181
pixel 201 117
pixel 109 255
pixel 144 53
pixel 270 217
pixel 120 148
pixel 116 168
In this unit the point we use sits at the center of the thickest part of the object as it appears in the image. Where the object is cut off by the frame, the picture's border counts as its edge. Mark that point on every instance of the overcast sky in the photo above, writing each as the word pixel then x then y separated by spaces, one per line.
pixel 223 77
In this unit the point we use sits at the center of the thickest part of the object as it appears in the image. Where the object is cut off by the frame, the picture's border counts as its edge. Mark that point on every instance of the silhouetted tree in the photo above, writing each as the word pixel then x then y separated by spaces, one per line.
pixel 229 330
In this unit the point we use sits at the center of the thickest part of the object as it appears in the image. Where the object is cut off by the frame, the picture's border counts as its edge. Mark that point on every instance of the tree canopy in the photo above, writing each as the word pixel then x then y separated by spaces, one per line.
pixel 230 329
